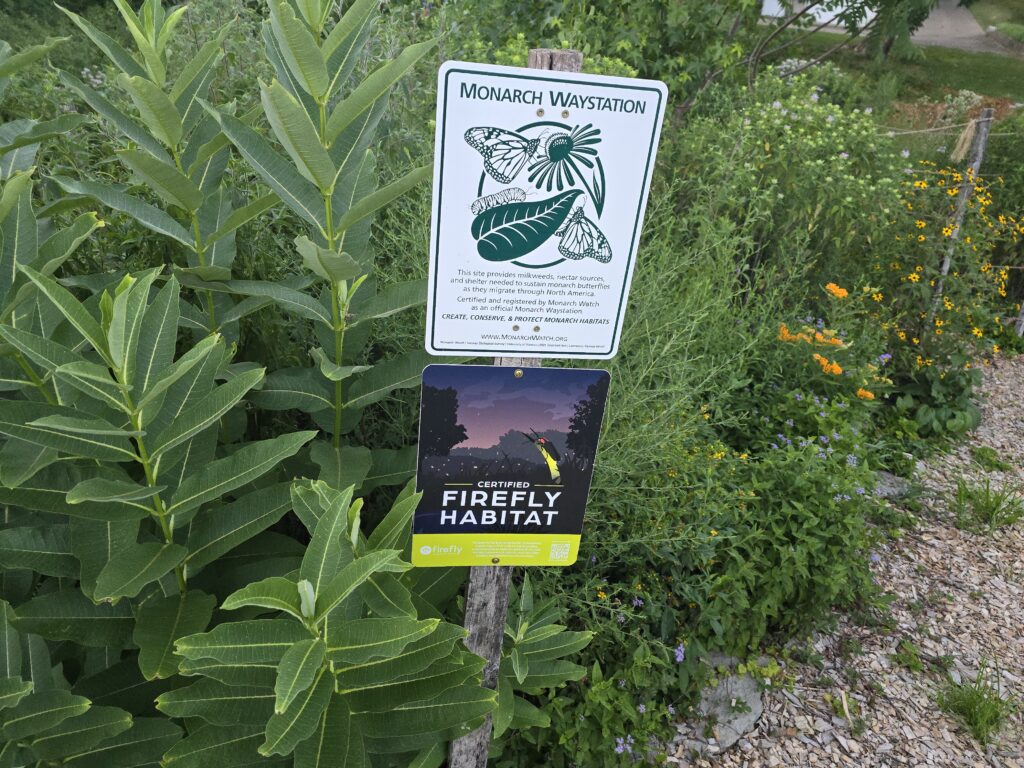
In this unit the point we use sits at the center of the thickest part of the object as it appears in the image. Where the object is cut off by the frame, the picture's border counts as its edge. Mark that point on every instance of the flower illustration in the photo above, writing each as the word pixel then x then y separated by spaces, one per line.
pixel 563 157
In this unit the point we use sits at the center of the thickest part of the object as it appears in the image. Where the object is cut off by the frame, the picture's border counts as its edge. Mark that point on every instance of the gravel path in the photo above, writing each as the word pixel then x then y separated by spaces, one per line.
pixel 950 25
pixel 958 597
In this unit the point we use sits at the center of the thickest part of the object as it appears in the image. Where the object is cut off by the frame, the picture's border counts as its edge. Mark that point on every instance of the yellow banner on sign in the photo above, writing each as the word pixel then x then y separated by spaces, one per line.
pixel 443 549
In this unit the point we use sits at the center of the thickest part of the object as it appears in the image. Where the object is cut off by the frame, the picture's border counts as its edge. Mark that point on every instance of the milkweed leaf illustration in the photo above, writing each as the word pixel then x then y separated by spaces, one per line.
pixel 510 231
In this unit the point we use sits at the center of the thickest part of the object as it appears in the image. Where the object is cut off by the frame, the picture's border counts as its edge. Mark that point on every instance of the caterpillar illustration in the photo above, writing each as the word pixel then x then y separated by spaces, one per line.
pixel 510 195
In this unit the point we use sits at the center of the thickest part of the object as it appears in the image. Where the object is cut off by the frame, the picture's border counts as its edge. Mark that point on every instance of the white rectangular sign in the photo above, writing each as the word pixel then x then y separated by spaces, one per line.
pixel 540 185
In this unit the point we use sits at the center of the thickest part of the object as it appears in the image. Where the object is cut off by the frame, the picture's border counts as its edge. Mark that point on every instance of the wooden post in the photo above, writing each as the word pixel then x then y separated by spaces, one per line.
pixel 487 594
pixel 983 125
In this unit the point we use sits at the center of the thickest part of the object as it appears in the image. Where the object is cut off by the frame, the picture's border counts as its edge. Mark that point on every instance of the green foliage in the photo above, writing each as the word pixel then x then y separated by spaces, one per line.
pixel 908 656
pixel 978 703
pixel 984 508
pixel 988 459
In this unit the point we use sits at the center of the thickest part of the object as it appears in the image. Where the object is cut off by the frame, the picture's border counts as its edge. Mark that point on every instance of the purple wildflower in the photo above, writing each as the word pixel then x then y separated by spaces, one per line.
pixel 851 460
pixel 905 153
pixel 844 155
pixel 680 651
pixel 638 602
pixel 641 708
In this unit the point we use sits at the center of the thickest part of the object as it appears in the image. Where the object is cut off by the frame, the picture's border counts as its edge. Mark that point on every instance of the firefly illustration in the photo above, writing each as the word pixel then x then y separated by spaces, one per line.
pixel 548 451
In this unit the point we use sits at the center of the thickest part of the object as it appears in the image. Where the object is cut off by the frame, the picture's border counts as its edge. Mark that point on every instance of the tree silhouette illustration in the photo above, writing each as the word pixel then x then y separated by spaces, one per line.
pixel 443 431
pixel 585 424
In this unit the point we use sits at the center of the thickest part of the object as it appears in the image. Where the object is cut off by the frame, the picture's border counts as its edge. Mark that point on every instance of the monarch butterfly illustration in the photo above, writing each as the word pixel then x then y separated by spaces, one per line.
pixel 505 153
pixel 582 239
pixel 510 195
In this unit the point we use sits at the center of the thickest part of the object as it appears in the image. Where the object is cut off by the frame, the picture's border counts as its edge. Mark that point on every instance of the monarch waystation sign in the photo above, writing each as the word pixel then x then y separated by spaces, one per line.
pixel 540 185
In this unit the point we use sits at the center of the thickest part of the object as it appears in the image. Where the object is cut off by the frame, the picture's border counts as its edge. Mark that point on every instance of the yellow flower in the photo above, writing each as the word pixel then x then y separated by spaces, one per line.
pixel 714 532
pixel 602 594
pixel 921 184
pixel 877 296
pixel 920 224
pixel 913 277
pixel 995 349
pixel 835 290
pixel 977 332
pixel 865 394
pixel 915 340
pixel 947 231
pixel 902 335
pixel 921 238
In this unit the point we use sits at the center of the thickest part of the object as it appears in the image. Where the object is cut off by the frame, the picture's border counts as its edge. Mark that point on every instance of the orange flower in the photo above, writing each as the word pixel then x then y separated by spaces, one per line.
pixel 835 290
pixel 827 366
pixel 865 394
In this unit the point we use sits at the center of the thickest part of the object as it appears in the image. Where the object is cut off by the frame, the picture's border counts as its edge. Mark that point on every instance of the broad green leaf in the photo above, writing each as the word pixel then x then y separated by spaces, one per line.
pixel 205 412
pixel 135 568
pixel 256 675
pixel 373 88
pixel 169 375
pixel 19 239
pixel 343 43
pixel 20 461
pixel 439 676
pixel 13 190
pixel 141 745
pixel 390 467
pixel 46 491
pixel 301 389
pixel 110 47
pixel 68 305
pixel 126 322
pixel 96 542
pixel 154 63
pixel 210 536
pixel 286 729
pixel 299 49
pixel 46 550
pixel 502 717
pixel 59 246
pixel 10 643
pixel 359 640
pixel 44 352
pixel 335 742
pixel 352 576
pixel 216 745
pixel 334 372
pixel 328 264
pixel 195 76
pixel 50 426
pixel 243 466
pixel 27 56
pixel 391 300
pixel 79 733
pixel 398 373
pixel 105 489
pixel 275 592
pixel 241 216
pixel 244 642
pixel 520 665
pixel 416 657
pixel 38 667
pixel 296 133
pixel 550 674
pixel 166 180
pixel 149 216
pixel 297 671
pixel 439 715
pixel 13 690
pixel 295 192
pixel 161 621
pixel 39 711
pixel 122 122
pixel 95 381
pixel 158 338
pixel 555 646
pixel 41 131
pixel 323 557
pixel 526 715
pixel 392 531
pixel 387 597
pixel 295 302
pixel 374 202
pixel 431 757
pixel 157 110
pixel 217 703
pixel 340 467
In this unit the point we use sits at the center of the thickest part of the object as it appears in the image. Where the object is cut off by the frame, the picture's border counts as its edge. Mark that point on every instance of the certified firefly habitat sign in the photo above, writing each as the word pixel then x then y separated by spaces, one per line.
pixel 505 460
pixel 540 185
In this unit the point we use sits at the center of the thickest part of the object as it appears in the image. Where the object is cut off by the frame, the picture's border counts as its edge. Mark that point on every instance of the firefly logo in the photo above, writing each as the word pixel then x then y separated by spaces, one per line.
pixel 451 549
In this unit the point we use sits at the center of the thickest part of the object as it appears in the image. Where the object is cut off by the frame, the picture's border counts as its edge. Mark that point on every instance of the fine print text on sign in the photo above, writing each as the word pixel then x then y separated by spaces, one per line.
pixel 505 460
pixel 540 185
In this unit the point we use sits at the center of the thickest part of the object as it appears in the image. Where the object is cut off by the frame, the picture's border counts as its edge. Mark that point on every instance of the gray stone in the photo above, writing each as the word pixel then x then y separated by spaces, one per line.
pixel 732 707
pixel 889 486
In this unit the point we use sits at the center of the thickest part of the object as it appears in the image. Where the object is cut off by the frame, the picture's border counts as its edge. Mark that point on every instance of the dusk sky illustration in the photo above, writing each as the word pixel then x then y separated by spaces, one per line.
pixel 492 401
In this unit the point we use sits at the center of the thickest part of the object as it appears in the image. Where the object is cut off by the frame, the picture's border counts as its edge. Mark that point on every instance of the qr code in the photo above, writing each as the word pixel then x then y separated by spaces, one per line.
pixel 560 551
